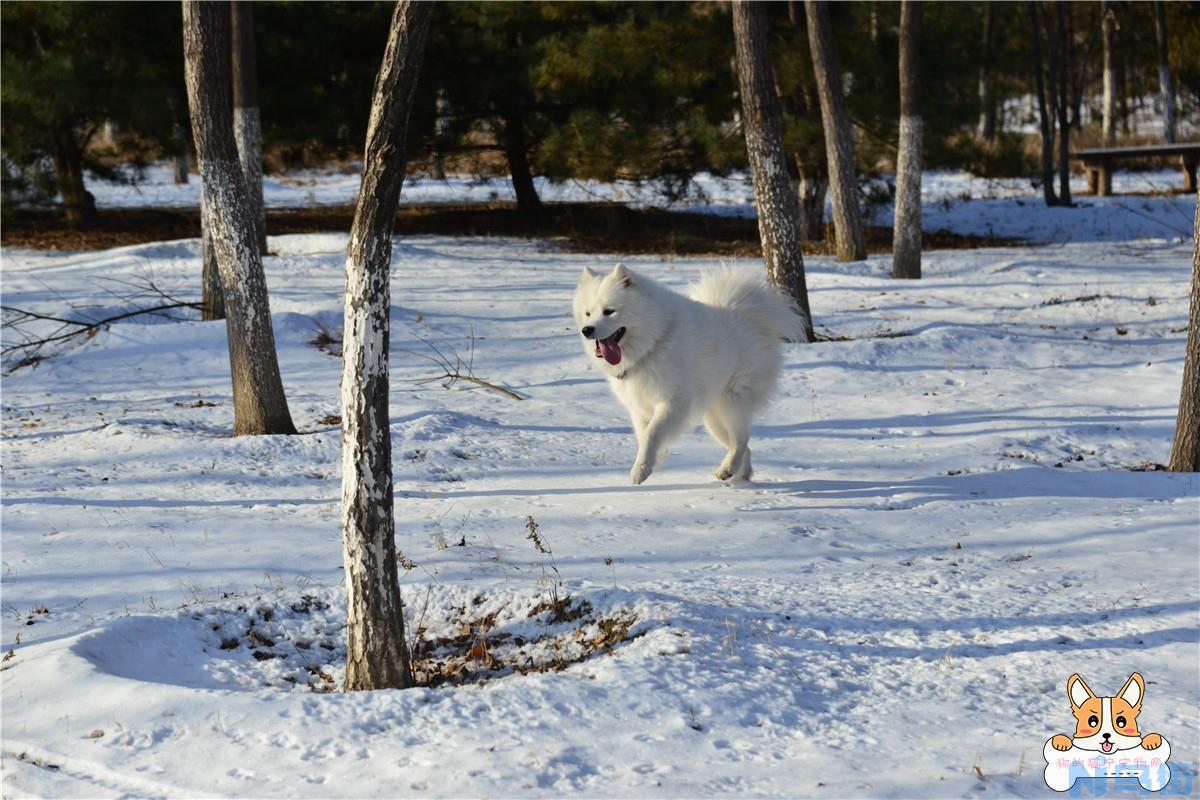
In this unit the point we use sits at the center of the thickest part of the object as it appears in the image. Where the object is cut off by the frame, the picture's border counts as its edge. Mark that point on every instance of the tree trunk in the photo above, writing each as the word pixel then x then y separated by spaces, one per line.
pixel 812 189
pixel 906 229
pixel 839 140
pixel 777 202
pixel 1063 104
pixel 1166 85
pixel 247 121
pixel 212 299
pixel 987 105
pixel 1185 448
pixel 1047 127
pixel 516 150
pixel 178 142
pixel 1108 24
pixel 259 404
pixel 78 203
pixel 376 654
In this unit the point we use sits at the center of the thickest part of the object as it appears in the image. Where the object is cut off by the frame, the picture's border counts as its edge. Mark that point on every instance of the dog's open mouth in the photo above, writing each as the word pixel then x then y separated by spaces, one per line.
pixel 1106 747
pixel 608 349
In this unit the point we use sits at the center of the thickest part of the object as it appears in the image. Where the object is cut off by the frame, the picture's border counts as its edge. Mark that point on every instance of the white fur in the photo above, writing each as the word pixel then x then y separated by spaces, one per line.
pixel 714 355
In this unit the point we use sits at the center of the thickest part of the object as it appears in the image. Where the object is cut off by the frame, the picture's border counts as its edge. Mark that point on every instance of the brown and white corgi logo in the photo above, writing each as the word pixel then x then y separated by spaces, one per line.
pixel 1106 724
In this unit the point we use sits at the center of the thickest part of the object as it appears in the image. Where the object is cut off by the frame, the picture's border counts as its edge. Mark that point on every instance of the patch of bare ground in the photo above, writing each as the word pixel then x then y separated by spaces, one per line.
pixel 580 227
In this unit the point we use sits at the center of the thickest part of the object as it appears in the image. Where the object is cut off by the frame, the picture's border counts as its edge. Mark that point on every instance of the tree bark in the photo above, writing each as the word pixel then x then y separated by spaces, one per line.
pixel 906 228
pixel 1108 23
pixel 987 104
pixel 1063 103
pixel 212 299
pixel 247 121
pixel 1166 85
pixel 1185 448
pixel 1047 126
pixel 812 189
pixel 178 142
pixel 78 203
pixel 777 202
pixel 376 653
pixel 259 404
pixel 516 151
pixel 839 140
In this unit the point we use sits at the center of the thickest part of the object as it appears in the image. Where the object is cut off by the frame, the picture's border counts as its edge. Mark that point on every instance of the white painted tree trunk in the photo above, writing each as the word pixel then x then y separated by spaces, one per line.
pixel 839 139
pixel 259 404
pixel 247 125
pixel 1165 84
pixel 1108 23
pixel 376 654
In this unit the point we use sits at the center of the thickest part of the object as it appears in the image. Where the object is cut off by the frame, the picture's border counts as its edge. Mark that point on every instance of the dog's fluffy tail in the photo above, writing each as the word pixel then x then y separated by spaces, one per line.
pixel 768 309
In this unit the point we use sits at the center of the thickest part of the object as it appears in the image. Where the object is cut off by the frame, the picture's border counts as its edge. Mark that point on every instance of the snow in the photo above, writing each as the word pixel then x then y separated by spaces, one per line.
pixel 953 201
pixel 942 529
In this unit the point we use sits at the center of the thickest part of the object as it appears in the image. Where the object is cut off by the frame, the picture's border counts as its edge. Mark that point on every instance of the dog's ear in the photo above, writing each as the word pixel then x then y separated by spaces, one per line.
pixel 1078 691
pixel 622 276
pixel 588 275
pixel 1133 690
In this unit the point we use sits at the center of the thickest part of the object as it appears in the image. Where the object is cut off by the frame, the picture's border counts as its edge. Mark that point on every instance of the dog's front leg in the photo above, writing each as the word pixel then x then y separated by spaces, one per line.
pixel 652 440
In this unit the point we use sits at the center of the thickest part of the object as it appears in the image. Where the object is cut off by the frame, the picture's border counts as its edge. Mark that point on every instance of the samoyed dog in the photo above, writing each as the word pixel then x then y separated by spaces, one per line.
pixel 713 355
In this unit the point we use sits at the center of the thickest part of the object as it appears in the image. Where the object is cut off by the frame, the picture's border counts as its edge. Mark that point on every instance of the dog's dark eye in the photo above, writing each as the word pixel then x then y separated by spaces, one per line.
pixel 1092 721
pixel 1120 722
pixel 608 312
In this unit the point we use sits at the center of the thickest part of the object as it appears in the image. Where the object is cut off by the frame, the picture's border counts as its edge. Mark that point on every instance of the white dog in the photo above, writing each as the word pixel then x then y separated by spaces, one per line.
pixel 672 359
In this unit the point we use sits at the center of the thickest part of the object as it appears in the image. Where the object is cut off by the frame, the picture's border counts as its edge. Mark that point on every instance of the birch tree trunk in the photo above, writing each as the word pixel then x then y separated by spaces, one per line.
pixel 247 122
pixel 1108 22
pixel 376 654
pixel 1047 126
pixel 987 105
pixel 1166 85
pixel 1185 448
pixel 778 204
pixel 839 141
pixel 1063 102
pixel 906 228
pixel 259 405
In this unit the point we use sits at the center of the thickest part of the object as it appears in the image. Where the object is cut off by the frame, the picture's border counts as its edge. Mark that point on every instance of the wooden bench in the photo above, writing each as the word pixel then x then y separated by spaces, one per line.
pixel 1099 163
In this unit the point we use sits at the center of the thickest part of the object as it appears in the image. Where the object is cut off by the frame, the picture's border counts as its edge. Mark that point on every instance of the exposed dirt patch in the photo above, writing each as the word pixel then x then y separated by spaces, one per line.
pixel 582 227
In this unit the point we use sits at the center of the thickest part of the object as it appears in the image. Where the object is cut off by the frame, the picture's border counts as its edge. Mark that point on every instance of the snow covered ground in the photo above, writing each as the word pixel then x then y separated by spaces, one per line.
pixel 953 201
pixel 942 529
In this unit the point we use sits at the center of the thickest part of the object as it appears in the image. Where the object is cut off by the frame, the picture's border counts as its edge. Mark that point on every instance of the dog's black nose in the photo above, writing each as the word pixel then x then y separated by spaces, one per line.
pixel 1108 736
pixel 587 330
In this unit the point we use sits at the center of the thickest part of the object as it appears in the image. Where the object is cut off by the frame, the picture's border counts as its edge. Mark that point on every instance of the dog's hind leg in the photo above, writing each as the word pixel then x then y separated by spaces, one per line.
pixel 716 429
pixel 732 412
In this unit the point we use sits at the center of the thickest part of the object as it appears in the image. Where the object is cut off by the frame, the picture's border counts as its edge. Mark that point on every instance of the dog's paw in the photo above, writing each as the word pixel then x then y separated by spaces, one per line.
pixel 1060 742
pixel 1152 741
pixel 639 473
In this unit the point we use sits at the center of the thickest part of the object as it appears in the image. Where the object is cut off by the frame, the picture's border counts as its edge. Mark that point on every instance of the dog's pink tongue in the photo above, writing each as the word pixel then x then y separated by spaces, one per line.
pixel 1106 747
pixel 611 352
